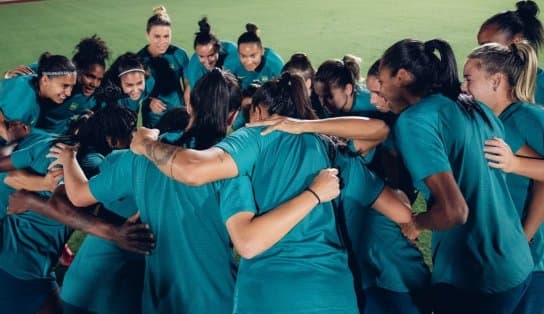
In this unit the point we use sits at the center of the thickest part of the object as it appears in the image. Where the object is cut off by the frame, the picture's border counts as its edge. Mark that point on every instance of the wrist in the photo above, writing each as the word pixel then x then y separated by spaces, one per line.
pixel 311 191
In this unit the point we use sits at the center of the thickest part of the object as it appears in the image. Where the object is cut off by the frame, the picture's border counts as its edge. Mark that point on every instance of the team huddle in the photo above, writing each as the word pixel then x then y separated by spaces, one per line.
pixel 258 186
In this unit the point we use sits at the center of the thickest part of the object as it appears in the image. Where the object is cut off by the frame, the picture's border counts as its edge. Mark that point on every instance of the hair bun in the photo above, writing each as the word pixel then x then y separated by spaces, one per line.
pixel 160 10
pixel 527 9
pixel 204 26
pixel 252 28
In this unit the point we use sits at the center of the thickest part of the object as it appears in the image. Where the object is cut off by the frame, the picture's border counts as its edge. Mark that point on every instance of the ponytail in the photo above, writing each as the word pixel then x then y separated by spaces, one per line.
pixel 431 73
pixel 518 62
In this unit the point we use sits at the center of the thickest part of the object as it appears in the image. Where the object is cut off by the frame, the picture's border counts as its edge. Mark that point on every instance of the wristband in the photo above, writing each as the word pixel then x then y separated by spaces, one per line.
pixel 315 194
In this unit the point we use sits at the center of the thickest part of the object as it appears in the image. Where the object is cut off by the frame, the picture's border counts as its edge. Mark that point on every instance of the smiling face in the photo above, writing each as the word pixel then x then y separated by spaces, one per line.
pixel 159 38
pixel 376 99
pixel 207 55
pixel 91 78
pixel 391 90
pixel 57 88
pixel 477 82
pixel 251 55
pixel 133 84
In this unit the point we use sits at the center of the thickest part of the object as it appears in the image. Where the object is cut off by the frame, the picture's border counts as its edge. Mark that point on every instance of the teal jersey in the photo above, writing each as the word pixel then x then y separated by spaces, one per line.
pixel 192 268
pixel 539 90
pixel 118 289
pixel 57 118
pixel 361 103
pixel 32 243
pixel 167 71
pixel 524 125
pixel 35 135
pixel 489 253
pixel 307 270
pixel 195 70
pixel 385 258
pixel 269 68
pixel 19 99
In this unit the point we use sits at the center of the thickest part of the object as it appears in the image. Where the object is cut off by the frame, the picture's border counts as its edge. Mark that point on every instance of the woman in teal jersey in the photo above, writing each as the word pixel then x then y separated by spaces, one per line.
pixel 298 64
pixel 90 61
pixel 470 209
pixel 32 242
pixel 513 26
pixel 198 276
pixel 166 63
pixel 210 53
pixel 387 266
pixel 54 82
pixel 295 262
pixel 254 62
pixel 503 78
pixel 126 83
pixel 338 89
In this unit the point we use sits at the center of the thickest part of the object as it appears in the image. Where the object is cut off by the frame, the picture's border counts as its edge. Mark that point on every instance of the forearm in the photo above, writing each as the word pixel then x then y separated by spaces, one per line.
pixel 449 209
pixel 192 167
pixel 76 183
pixel 21 179
pixel 359 128
pixel 262 232
pixel 529 167
pixel 535 213
pixel 6 164
pixel 62 210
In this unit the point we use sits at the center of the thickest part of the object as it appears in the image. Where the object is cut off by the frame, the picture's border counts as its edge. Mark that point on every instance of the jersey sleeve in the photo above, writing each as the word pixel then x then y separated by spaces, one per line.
pixel 243 146
pixel 115 178
pixel 420 145
pixel 236 196
pixel 30 156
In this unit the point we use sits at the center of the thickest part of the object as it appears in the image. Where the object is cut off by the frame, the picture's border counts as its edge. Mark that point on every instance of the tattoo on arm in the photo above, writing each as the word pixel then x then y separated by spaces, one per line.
pixel 159 153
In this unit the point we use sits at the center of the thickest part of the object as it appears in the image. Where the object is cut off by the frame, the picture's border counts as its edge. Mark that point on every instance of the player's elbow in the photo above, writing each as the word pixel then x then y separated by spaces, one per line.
pixel 457 214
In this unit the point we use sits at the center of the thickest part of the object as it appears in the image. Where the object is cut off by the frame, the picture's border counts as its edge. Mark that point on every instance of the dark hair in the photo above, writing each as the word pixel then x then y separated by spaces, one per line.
pixel 374 69
pixel 54 65
pixel 173 120
pixel 89 51
pixel 431 74
pixel 518 62
pixel 110 90
pixel 92 131
pixel 159 18
pixel 336 73
pixel 522 21
pixel 300 64
pixel 250 36
pixel 205 36
pixel 215 95
pixel 286 96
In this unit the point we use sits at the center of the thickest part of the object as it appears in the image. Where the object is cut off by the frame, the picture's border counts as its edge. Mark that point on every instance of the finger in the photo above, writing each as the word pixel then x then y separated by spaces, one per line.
pixel 134 218
pixel 493 150
pixel 262 123
pixel 494 165
pixel 494 158
pixel 332 171
pixel 52 155
pixel 269 129
pixel 142 228
pixel 53 165
pixel 137 249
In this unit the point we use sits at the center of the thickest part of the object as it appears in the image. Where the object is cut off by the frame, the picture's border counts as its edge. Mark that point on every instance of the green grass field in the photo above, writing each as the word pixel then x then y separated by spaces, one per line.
pixel 322 29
